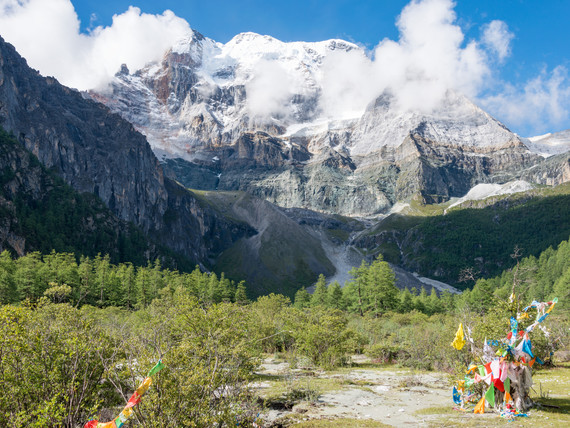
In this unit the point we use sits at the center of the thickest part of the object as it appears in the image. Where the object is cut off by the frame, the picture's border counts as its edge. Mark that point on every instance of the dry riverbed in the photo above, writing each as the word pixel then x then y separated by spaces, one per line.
pixel 368 395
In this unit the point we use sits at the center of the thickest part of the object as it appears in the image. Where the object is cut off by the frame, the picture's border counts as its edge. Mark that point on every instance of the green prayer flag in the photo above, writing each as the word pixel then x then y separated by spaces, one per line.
pixel 508 385
pixel 158 367
pixel 490 396
pixel 482 371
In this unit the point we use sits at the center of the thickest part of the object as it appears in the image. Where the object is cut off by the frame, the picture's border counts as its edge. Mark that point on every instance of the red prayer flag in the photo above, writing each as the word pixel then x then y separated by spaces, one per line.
pixel 499 385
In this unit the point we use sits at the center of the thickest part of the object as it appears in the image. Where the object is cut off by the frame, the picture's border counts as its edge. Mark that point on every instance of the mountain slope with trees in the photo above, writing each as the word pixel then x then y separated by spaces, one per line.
pixel 478 235
pixel 40 212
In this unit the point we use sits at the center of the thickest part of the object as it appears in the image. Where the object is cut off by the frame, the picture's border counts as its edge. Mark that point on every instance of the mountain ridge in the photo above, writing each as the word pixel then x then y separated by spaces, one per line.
pixel 96 151
pixel 198 107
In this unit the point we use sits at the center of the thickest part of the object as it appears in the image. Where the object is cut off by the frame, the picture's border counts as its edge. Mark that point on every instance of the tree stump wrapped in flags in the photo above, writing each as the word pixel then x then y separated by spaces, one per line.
pixel 504 369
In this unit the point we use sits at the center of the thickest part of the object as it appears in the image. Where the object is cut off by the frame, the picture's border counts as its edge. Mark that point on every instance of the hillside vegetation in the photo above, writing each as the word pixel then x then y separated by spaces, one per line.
pixel 480 235
pixel 77 337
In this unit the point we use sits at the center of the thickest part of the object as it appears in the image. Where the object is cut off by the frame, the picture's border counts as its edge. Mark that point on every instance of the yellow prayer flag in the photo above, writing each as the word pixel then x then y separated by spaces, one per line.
pixel 480 407
pixel 144 386
pixel 552 306
pixel 472 368
pixel 459 340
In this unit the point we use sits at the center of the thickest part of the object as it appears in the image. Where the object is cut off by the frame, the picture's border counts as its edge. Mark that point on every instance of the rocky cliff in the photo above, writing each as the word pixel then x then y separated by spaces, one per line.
pixel 98 152
pixel 205 118
pixel 40 212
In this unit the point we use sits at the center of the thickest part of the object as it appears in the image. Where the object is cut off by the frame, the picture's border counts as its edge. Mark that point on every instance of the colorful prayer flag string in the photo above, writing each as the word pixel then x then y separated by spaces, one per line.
pixel 135 399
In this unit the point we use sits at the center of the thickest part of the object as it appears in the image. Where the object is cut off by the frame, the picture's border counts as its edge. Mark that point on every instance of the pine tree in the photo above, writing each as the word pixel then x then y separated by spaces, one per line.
pixel 102 268
pixel 381 287
pixel 359 279
pixel 319 297
pixel 8 290
pixel 142 287
pixel 126 274
pixel 214 293
pixel 85 292
pixel 447 301
pixel 241 294
pixel 406 301
pixel 335 296
pixel 156 278
pixel 420 301
pixel 302 299
pixel 434 304
pixel 28 281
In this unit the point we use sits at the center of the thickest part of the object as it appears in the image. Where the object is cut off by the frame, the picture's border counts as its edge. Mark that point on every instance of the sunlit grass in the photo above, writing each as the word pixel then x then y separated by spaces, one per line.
pixel 341 423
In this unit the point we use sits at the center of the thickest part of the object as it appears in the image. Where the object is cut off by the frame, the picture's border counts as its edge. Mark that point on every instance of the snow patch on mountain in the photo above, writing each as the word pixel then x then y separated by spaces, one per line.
pixel 455 121
pixel 486 190
pixel 438 285
pixel 549 144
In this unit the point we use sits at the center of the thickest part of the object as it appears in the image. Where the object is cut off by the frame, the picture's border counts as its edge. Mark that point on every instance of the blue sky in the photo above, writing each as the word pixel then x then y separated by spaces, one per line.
pixel 531 85
pixel 541 28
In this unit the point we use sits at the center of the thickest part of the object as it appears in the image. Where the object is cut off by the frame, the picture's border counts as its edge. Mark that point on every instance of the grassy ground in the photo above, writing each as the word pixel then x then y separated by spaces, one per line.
pixel 341 423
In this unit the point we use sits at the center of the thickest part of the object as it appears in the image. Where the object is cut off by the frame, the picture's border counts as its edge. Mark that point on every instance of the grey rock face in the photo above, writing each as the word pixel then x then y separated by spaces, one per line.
pixel 94 150
pixel 193 106
pixel 98 152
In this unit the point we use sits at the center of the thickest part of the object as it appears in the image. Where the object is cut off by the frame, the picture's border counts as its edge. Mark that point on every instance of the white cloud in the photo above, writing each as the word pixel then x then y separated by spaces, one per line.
pixel 497 37
pixel 270 90
pixel 429 58
pixel 539 105
pixel 348 84
pixel 46 33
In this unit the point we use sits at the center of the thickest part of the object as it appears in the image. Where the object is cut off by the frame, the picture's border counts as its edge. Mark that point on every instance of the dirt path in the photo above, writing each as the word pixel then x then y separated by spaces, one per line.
pixel 389 396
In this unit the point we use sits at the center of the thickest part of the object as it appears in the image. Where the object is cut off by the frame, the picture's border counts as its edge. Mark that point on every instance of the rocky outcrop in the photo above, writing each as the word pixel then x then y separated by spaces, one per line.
pixel 195 107
pixel 98 152
pixel 39 212
pixel 552 171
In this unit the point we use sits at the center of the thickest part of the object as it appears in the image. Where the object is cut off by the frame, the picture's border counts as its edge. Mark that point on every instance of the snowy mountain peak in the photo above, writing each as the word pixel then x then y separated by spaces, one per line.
pixel 187 43
pixel 257 82
pixel 455 121
pixel 549 144
pixel 301 125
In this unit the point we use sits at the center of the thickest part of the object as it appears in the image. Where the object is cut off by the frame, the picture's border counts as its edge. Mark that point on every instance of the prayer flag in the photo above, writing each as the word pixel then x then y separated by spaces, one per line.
pixel 490 396
pixel 459 340
pixel 135 399
pixel 480 407
pixel 456 396
pixel 158 367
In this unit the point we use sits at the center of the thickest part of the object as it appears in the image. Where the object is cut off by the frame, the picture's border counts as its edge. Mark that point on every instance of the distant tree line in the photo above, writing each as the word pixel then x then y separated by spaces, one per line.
pixel 98 282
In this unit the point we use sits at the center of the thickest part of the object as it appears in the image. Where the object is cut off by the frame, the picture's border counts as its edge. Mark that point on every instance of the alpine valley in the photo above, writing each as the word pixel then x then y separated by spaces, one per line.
pixel 199 155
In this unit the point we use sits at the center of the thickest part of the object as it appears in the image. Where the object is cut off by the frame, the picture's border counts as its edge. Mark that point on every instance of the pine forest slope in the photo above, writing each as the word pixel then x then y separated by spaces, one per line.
pixel 40 212
pixel 477 234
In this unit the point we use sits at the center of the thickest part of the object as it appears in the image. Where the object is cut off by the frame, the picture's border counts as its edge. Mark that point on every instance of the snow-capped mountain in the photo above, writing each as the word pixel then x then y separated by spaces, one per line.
pixel 549 144
pixel 254 114
pixel 204 86
pixel 205 93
